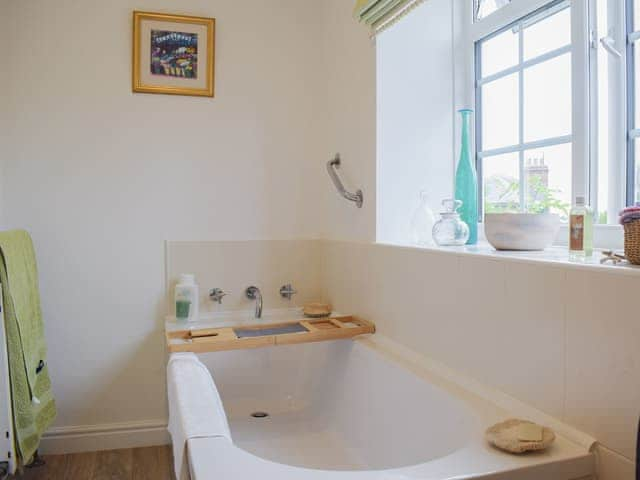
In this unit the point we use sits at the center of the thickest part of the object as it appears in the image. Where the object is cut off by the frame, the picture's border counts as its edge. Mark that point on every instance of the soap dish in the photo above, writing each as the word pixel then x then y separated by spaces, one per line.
pixel 507 436
pixel 316 310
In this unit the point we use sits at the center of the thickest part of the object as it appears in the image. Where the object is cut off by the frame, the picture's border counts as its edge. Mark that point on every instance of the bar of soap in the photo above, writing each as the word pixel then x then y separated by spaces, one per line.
pixel 529 432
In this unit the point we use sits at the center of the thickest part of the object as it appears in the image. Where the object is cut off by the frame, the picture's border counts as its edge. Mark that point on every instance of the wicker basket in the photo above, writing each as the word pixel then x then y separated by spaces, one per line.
pixel 632 242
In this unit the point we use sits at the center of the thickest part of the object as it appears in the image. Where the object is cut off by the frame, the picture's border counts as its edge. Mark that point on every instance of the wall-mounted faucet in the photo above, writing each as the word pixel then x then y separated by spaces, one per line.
pixel 287 291
pixel 253 293
pixel 216 295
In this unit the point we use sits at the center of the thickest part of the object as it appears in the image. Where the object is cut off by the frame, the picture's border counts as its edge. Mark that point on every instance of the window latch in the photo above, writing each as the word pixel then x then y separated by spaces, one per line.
pixel 609 45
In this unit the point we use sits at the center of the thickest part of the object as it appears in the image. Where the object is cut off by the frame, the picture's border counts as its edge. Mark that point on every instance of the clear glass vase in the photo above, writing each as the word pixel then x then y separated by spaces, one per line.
pixel 422 222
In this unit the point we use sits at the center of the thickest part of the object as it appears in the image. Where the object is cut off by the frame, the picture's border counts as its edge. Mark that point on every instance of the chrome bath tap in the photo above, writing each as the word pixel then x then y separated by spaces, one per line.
pixel 253 293
pixel 217 294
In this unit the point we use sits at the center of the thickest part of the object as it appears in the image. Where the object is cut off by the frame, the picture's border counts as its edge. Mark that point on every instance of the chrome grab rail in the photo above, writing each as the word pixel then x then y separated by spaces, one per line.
pixel 332 166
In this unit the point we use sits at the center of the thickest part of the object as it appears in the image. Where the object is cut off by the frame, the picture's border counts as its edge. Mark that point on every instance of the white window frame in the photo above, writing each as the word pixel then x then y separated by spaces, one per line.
pixel 521 146
pixel 584 41
pixel 632 128
pixel 581 161
pixel 615 32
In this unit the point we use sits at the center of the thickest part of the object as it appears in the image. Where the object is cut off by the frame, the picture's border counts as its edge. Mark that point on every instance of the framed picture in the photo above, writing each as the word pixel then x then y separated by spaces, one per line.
pixel 173 54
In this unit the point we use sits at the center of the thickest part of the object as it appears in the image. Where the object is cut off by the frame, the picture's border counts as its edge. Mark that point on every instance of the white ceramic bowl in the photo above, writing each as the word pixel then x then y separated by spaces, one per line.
pixel 521 231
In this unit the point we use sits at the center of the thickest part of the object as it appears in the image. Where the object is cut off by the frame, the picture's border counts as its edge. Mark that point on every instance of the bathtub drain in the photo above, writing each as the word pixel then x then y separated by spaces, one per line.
pixel 259 414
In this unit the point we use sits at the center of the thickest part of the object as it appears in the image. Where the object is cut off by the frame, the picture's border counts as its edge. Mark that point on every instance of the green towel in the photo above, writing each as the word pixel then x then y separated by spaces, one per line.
pixel 33 406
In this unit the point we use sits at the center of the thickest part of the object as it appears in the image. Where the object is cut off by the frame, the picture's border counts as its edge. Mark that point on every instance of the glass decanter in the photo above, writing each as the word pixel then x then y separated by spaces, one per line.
pixel 450 230
pixel 422 222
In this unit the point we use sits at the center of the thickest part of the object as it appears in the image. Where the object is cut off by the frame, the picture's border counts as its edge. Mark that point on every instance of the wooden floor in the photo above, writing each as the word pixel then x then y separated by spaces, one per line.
pixel 150 463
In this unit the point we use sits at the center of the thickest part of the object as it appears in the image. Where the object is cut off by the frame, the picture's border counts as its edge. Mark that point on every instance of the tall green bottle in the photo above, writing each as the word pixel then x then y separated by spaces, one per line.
pixel 467 180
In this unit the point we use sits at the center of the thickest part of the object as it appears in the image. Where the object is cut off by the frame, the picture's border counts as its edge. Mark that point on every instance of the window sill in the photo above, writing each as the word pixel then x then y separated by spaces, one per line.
pixel 556 256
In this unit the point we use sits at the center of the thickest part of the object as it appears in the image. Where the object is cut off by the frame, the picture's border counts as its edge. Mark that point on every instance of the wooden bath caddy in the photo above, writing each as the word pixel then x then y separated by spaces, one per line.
pixel 254 336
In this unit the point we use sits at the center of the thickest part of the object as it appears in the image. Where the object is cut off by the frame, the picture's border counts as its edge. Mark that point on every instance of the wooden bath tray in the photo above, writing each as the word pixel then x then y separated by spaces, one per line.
pixel 254 336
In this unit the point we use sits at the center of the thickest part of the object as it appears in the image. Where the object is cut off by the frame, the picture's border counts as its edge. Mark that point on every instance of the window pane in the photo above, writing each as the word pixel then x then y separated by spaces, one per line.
pixel 547 34
pixel 547 173
pixel 547 99
pixel 499 52
pixel 636 15
pixel 500 113
pixel 487 7
pixel 501 186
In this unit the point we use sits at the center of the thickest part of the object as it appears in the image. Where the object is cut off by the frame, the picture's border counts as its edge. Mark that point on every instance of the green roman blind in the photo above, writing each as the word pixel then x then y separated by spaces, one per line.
pixel 379 14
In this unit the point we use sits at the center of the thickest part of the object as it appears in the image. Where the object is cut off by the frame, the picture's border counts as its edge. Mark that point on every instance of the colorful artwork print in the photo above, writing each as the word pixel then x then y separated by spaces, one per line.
pixel 174 54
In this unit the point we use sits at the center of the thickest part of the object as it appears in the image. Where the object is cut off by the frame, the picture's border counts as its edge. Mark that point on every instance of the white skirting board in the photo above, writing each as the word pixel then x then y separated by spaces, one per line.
pixel 88 438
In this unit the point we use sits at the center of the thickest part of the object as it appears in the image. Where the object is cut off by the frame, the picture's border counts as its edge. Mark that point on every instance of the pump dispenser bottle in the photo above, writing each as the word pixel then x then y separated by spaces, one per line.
pixel 186 296
pixel 580 230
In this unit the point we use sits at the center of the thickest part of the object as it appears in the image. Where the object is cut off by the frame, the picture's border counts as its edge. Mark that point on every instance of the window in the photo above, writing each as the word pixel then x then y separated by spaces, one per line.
pixel 557 110
pixel 633 98
pixel 554 86
pixel 524 114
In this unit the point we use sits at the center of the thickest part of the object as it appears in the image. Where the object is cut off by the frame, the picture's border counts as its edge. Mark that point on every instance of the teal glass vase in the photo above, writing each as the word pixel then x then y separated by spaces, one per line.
pixel 467 180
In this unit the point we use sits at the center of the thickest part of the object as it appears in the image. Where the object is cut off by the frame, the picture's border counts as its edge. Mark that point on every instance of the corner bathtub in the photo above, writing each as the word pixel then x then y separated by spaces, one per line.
pixel 364 409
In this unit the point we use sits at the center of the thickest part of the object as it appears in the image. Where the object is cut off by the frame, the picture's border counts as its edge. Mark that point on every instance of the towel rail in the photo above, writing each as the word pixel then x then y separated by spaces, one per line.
pixel 7 454
pixel 332 166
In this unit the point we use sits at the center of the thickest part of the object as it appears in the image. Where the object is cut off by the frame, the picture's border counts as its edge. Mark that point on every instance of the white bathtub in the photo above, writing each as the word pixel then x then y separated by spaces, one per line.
pixel 360 409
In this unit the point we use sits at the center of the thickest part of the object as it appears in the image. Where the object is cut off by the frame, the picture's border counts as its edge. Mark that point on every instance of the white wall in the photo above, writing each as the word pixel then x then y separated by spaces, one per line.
pixel 5 99
pixel 349 70
pixel 101 177
pixel 415 114
pixel 350 63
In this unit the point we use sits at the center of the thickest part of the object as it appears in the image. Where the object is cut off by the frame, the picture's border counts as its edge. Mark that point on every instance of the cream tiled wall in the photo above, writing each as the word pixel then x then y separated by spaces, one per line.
pixel 233 266
pixel 566 341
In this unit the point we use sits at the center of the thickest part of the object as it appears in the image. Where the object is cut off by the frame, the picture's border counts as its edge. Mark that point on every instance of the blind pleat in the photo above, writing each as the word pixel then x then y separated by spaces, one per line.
pixel 380 14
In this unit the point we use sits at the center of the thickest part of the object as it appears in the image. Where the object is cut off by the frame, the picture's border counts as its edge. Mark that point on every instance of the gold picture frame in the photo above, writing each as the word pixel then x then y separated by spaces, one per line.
pixel 170 56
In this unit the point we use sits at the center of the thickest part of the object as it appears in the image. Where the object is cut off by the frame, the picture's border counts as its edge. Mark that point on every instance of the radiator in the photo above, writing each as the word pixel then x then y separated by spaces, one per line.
pixel 7 453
